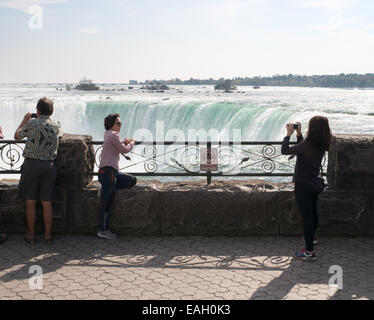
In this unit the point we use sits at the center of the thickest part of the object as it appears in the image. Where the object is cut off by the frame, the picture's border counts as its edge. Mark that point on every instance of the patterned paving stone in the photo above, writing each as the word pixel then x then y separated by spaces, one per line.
pixel 237 268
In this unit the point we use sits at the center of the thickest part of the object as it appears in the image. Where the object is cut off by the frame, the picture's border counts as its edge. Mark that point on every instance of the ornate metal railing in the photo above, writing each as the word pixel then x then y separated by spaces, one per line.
pixel 183 159
pixel 11 158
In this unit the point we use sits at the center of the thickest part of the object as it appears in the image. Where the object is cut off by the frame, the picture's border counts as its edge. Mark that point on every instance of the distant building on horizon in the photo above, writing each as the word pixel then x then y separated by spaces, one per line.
pixel 133 82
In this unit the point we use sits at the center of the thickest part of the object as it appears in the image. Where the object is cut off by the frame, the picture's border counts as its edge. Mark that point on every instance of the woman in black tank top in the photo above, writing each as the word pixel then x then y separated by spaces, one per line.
pixel 308 184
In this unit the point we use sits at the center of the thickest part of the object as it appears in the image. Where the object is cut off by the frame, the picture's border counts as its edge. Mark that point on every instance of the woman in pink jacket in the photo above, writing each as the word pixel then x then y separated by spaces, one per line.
pixel 109 175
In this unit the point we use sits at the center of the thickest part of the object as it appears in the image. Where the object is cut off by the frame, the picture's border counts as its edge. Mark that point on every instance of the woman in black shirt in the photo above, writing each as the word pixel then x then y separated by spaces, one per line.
pixel 308 185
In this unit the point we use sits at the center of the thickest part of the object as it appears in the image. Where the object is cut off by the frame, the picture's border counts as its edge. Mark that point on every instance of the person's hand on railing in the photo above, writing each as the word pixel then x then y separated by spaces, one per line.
pixel 128 140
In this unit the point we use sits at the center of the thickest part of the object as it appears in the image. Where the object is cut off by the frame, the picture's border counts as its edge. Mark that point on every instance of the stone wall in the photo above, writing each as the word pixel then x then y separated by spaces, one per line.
pixel 194 208
pixel 75 161
pixel 351 163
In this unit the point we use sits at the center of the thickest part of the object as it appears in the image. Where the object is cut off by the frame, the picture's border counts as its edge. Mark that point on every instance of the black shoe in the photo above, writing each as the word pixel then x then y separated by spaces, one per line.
pixel 3 237
pixel 49 240
pixel 30 241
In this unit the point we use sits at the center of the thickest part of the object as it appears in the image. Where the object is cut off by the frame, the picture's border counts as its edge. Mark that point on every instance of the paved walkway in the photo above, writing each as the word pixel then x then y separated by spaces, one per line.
pixel 84 267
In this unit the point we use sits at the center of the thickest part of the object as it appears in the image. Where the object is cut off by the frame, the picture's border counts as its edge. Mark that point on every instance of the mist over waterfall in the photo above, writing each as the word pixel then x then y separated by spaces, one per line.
pixel 259 115
pixel 254 122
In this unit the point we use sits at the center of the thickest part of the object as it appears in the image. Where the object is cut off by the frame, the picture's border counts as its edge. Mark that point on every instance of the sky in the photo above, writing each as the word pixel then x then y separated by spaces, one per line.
pixel 120 40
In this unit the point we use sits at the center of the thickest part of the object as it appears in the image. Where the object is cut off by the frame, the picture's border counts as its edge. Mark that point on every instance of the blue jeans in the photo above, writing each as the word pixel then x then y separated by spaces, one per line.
pixel 111 180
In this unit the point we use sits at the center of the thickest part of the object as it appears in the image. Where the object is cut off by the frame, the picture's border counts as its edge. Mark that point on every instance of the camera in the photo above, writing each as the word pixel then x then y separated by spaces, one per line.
pixel 296 126
pixel 33 115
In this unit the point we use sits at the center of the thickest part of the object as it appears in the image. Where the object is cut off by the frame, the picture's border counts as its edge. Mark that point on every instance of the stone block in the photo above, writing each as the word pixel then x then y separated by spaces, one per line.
pixel 75 161
pixel 350 164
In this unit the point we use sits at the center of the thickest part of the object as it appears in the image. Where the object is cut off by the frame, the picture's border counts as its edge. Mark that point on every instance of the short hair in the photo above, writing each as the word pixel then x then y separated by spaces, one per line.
pixel 110 120
pixel 45 106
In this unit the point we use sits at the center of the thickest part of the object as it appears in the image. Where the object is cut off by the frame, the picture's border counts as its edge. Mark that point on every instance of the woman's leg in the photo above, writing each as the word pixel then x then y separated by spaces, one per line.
pixel 125 180
pixel 107 209
pixel 118 180
pixel 107 180
pixel 315 212
pixel 304 200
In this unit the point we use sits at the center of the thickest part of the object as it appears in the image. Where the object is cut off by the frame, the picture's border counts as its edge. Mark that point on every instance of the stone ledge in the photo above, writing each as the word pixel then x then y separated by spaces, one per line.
pixel 12 211
pixel 223 208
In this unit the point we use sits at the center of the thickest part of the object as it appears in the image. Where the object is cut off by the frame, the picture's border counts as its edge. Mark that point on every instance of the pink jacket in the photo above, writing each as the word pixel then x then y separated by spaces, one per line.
pixel 112 148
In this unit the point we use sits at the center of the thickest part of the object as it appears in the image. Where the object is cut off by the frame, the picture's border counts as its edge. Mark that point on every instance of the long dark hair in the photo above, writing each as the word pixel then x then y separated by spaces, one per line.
pixel 319 133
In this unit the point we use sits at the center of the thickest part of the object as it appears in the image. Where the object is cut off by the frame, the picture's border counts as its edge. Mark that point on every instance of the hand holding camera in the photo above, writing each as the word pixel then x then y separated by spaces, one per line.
pixel 291 127
pixel 27 117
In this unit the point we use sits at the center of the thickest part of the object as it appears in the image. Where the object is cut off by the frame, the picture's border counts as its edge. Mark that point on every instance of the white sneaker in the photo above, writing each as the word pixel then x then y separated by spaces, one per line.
pixel 107 235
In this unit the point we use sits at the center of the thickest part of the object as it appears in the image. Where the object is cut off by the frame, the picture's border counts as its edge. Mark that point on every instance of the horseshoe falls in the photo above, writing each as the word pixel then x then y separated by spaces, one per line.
pixel 182 111
pixel 255 122
pixel 258 114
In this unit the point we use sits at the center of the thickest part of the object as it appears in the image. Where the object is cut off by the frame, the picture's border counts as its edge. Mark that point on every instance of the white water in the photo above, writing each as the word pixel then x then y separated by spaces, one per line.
pixel 259 114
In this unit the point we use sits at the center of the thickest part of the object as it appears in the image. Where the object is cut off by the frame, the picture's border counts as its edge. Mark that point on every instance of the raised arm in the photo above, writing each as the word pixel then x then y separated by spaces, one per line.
pixel 299 135
pixel 298 148
pixel 300 138
pixel 121 146
pixel 21 131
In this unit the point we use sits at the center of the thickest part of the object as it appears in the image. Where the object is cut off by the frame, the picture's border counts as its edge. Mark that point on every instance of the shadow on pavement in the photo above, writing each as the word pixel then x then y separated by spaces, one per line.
pixel 263 254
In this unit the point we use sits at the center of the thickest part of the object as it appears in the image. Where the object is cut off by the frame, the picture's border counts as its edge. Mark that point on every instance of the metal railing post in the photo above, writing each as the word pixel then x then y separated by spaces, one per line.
pixel 208 158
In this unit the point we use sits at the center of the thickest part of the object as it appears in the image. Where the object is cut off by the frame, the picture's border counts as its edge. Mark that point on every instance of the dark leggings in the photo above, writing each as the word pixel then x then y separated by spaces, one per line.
pixel 111 180
pixel 306 199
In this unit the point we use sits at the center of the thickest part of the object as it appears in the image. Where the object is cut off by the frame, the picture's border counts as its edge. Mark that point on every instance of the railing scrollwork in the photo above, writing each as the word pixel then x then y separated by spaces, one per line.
pixel 245 159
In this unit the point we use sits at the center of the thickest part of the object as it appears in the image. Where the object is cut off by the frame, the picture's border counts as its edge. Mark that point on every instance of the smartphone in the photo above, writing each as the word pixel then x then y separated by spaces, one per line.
pixel 296 126
pixel 33 115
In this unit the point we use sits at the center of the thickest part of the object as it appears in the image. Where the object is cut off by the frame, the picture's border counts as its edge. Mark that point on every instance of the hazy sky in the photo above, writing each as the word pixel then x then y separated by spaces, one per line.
pixel 119 40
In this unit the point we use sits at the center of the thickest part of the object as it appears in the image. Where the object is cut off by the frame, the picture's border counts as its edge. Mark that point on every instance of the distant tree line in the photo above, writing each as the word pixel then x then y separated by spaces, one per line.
pixel 329 81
